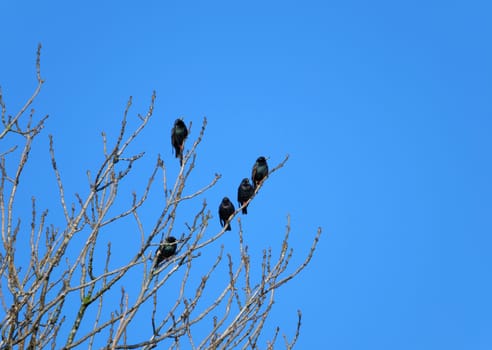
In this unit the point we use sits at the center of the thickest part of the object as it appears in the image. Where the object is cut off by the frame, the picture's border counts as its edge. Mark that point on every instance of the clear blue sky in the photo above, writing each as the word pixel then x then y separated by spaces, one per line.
pixel 383 106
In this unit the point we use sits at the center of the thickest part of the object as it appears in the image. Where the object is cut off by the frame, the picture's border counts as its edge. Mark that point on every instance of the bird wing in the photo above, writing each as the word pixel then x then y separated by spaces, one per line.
pixel 221 215
pixel 241 194
pixel 173 137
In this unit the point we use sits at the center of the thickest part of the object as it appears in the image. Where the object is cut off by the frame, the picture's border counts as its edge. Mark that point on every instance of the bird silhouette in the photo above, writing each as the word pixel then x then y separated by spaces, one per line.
pixel 244 193
pixel 165 250
pixel 260 171
pixel 226 209
pixel 179 133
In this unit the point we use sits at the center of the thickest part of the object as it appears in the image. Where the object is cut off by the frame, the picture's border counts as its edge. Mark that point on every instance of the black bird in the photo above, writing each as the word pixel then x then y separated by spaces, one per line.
pixel 179 133
pixel 165 250
pixel 260 171
pixel 244 193
pixel 226 209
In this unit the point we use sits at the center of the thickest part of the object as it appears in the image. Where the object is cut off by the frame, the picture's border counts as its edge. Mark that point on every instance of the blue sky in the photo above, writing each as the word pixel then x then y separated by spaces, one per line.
pixel 383 106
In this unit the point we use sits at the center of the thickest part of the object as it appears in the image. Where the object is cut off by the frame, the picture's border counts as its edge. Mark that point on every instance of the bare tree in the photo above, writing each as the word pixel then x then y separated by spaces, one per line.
pixel 67 294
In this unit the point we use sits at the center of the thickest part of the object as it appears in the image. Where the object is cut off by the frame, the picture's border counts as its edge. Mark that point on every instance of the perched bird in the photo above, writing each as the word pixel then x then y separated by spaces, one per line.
pixel 260 171
pixel 165 250
pixel 226 209
pixel 179 133
pixel 244 193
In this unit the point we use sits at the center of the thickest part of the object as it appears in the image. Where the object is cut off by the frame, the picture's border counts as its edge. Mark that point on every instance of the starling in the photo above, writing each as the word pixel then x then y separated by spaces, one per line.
pixel 260 171
pixel 244 193
pixel 226 209
pixel 179 133
pixel 166 250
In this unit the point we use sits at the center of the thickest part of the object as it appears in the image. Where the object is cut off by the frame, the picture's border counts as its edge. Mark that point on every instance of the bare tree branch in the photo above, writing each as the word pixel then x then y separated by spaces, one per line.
pixel 71 291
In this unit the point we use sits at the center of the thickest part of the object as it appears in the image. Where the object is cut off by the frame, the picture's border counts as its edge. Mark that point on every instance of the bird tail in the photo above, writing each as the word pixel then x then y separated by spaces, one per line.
pixel 245 210
pixel 228 228
pixel 155 265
